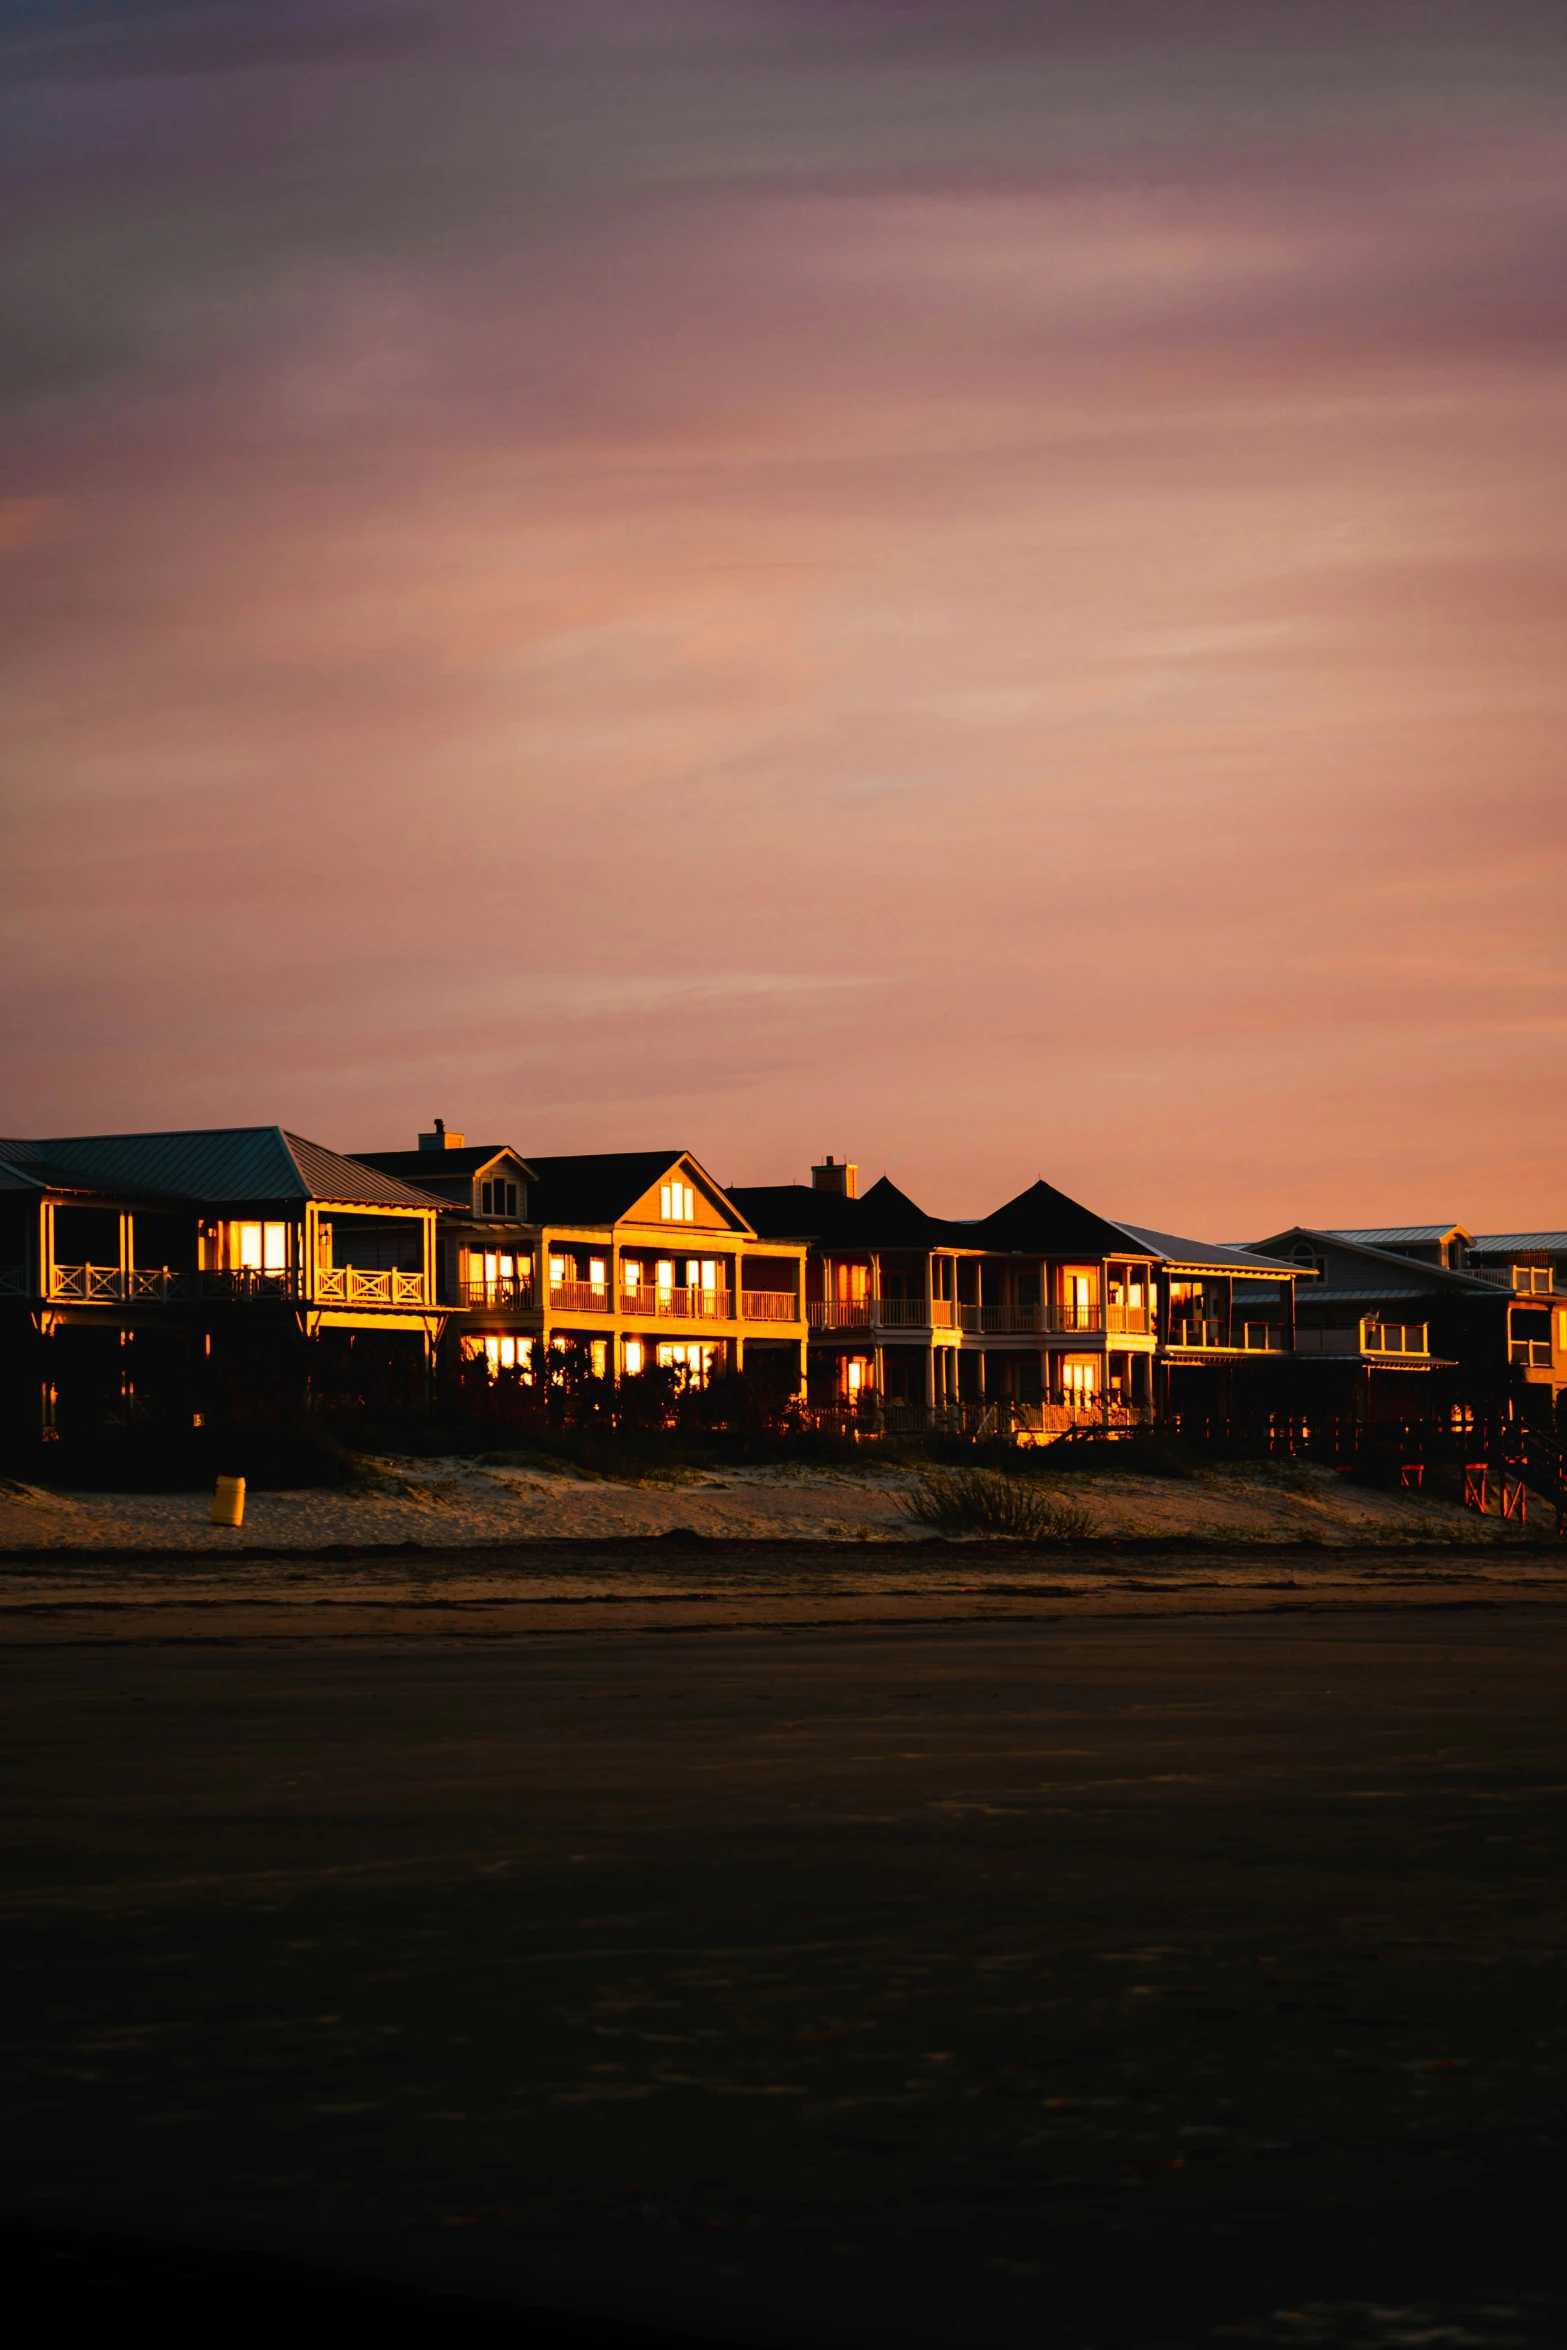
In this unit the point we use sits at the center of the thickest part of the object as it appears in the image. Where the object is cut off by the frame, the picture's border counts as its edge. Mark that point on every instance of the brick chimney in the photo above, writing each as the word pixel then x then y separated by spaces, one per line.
pixel 440 1140
pixel 843 1178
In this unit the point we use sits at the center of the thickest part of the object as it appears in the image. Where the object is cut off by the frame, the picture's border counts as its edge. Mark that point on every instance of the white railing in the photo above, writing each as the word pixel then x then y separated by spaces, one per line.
pixel 1393 1338
pixel 92 1284
pixel 353 1285
pixel 500 1293
pixel 769 1305
pixel 1205 1334
pixel 840 1313
pixel 1135 1321
pixel 1522 1280
pixel 243 1284
pixel 1074 1317
pixel 674 1305
pixel 580 1297
pixel 13 1280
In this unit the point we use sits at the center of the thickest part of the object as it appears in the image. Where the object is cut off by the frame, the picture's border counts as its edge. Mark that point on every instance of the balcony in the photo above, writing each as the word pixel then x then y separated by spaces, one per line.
pixel 245 1284
pixel 1396 1338
pixel 1075 1317
pixel 1204 1334
pixel 1262 1338
pixel 13 1280
pixel 769 1305
pixel 349 1285
pixel 110 1285
pixel 1130 1321
pixel 1521 1280
pixel 1009 1318
pixel 580 1297
pixel 501 1293
pixel 88 1284
pixel 1529 1354
pixel 840 1313
pixel 668 1305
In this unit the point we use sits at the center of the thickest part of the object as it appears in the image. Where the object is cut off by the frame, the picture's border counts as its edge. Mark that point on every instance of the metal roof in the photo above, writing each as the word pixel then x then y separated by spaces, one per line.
pixel 1501 1244
pixel 1390 1235
pixel 1221 1257
pixel 423 1167
pixel 1360 1297
pixel 223 1164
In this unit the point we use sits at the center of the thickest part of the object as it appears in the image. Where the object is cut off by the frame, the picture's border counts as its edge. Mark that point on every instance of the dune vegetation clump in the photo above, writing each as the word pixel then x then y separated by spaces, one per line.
pixel 979 1501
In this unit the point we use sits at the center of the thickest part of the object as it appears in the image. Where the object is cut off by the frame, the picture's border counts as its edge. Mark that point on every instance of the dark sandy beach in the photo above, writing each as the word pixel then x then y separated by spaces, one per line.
pixel 1070 1975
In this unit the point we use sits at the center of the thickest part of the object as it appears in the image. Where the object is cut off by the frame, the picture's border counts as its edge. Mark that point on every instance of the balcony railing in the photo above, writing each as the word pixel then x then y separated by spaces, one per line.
pixel 243 1284
pixel 1264 1338
pixel 901 1313
pixel 840 1313
pixel 353 1285
pixel 13 1280
pixel 1134 1321
pixel 1205 1334
pixel 769 1305
pixel 500 1293
pixel 91 1284
pixel 580 1297
pixel 1530 1354
pixel 676 1305
pixel 1523 1280
pixel 1394 1338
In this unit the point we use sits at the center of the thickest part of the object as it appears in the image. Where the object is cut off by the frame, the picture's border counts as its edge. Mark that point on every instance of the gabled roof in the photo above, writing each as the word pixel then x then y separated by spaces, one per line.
pixel 424 1167
pixel 796 1211
pixel 601 1187
pixel 1217 1256
pixel 223 1165
pixel 1432 1277
pixel 1045 1219
pixel 1394 1236
pixel 1502 1244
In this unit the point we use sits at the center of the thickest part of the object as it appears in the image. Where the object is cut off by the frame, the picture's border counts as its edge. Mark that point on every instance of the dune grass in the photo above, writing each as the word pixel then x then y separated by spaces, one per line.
pixel 979 1501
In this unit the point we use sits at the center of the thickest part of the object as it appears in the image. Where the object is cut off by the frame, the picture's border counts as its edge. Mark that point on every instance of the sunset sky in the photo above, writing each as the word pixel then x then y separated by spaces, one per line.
pixel 977 587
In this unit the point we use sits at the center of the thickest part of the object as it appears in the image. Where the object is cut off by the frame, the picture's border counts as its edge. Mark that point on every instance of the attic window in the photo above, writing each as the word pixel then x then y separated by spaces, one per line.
pixel 498 1199
pixel 677 1203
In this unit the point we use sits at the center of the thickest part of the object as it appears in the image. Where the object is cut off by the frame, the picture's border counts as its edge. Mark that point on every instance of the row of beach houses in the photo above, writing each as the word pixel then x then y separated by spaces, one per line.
pixel 156 1276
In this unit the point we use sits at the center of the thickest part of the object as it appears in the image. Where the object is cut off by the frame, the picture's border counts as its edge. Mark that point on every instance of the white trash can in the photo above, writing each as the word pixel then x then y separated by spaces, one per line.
pixel 228 1502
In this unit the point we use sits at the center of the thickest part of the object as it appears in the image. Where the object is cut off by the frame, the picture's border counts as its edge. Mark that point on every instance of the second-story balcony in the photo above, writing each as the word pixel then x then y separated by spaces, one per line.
pixel 1529 1354
pixel 769 1305
pixel 513 1293
pixel 353 1285
pixel 164 1284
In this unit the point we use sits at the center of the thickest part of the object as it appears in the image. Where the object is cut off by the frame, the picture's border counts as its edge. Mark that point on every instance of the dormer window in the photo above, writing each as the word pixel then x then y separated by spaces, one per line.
pixel 677 1203
pixel 498 1199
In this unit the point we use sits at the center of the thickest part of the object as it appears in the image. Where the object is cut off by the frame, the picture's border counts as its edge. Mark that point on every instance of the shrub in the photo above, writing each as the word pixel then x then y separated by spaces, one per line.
pixel 977 1501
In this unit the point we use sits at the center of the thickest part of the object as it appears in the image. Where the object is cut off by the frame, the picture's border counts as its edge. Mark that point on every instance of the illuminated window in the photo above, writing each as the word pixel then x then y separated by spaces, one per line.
pixel 636 1357
pixel 664 1273
pixel 258 1248
pixel 690 1360
pixel 855 1375
pixel 1080 1380
pixel 631 1276
pixel 557 1271
pixel 677 1203
pixel 595 1272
